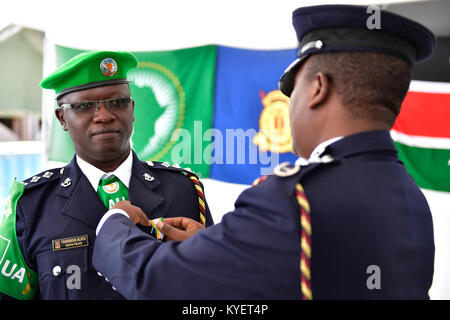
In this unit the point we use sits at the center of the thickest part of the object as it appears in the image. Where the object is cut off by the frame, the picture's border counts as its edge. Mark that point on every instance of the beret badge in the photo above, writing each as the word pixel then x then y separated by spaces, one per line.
pixel 108 67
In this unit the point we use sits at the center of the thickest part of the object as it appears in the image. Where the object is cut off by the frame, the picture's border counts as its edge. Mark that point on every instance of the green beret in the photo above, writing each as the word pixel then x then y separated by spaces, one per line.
pixel 89 70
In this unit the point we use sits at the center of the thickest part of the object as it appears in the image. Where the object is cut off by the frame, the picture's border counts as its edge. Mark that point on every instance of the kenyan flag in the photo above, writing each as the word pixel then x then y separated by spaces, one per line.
pixel 422 130
pixel 422 134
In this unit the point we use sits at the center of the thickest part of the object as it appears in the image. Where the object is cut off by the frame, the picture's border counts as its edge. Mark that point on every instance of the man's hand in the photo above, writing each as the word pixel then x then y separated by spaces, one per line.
pixel 179 228
pixel 135 213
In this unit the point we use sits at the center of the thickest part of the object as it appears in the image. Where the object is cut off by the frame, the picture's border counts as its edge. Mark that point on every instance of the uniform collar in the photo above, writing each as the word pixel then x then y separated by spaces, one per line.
pixel 320 149
pixel 317 152
pixel 93 174
pixel 339 147
pixel 367 141
pixel 83 203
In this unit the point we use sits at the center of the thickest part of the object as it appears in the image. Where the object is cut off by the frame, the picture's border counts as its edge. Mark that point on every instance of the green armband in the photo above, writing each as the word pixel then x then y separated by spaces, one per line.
pixel 16 278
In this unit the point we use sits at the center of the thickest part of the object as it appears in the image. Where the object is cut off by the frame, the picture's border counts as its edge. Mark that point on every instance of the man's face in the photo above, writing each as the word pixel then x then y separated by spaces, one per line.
pixel 101 135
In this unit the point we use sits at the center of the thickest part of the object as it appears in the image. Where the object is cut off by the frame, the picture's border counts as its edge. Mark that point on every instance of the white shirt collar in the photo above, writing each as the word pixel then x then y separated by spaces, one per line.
pixel 93 174
pixel 317 152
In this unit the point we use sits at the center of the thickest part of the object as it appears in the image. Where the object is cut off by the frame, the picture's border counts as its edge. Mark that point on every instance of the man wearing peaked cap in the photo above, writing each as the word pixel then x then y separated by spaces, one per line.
pixel 345 222
pixel 344 28
pixel 51 218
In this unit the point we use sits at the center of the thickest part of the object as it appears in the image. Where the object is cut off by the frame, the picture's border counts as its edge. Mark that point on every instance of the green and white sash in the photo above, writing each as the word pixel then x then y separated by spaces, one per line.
pixel 17 280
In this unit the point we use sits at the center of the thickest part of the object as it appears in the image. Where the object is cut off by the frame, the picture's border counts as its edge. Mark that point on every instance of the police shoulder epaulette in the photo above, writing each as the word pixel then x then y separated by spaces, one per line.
pixel 286 169
pixel 168 166
pixel 43 177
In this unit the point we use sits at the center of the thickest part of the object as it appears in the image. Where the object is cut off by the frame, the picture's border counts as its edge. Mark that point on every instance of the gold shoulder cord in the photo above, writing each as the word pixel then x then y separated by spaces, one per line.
pixel 305 257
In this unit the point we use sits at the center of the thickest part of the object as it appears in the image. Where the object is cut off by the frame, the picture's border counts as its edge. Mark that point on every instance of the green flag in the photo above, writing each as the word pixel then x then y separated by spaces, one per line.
pixel 173 93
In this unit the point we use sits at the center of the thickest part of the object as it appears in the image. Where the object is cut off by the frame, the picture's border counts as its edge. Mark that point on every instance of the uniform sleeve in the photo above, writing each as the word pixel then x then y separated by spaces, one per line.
pixel 251 254
pixel 17 280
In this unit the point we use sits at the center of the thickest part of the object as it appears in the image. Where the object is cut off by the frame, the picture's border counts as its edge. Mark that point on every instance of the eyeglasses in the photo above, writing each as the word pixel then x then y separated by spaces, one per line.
pixel 87 107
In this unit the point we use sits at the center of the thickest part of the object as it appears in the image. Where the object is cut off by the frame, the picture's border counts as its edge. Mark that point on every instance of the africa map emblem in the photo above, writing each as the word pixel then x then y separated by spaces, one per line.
pixel 108 67
pixel 160 103
pixel 111 188
pixel 275 131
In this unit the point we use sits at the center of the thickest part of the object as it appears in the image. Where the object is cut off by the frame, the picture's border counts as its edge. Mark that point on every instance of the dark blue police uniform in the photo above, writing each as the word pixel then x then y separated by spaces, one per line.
pixel 62 204
pixel 365 211
pixel 372 232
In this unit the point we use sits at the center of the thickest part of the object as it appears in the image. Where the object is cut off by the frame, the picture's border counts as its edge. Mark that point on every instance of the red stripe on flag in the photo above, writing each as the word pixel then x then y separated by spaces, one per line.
pixel 425 114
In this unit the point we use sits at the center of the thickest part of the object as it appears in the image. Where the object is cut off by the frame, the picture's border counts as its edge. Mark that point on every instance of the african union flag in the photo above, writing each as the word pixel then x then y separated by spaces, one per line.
pixel 172 90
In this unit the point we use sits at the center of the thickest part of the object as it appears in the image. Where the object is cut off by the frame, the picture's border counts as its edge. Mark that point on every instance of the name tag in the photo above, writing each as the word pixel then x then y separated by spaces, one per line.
pixel 70 243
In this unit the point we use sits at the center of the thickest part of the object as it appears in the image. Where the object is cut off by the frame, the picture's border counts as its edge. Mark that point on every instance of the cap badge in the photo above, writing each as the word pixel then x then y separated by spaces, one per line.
pixel 108 67
pixel 317 44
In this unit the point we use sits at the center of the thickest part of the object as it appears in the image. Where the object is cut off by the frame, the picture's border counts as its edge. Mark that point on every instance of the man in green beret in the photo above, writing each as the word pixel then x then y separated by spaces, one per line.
pixel 48 230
